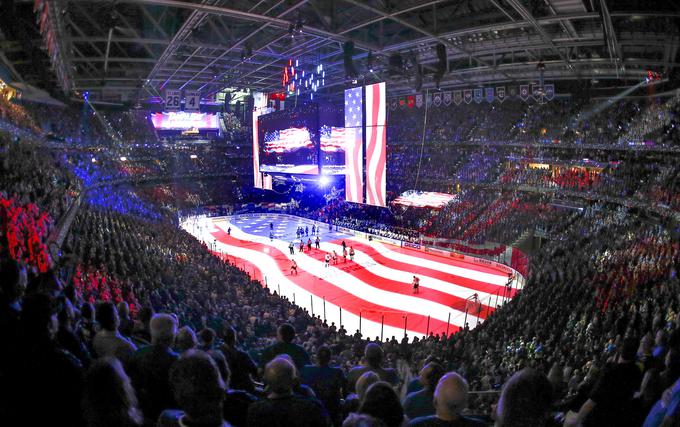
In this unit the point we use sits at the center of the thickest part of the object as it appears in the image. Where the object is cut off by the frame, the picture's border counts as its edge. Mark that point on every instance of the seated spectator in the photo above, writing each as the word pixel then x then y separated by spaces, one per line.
pixel 373 356
pixel 382 402
pixel 206 339
pixel 149 367
pixel 198 390
pixel 241 365
pixel 525 401
pixel 109 399
pixel 108 342
pixel 327 382
pixel 420 403
pixel 610 400
pixel 450 399
pixel 281 407
pixel 284 345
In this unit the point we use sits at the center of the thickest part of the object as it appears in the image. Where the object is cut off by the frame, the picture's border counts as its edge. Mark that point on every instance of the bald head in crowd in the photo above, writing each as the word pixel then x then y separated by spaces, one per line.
pixel 163 329
pixel 525 400
pixel 279 375
pixel 450 396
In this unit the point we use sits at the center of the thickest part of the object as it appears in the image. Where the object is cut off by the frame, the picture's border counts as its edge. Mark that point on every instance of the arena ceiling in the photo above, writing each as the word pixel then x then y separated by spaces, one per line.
pixel 129 50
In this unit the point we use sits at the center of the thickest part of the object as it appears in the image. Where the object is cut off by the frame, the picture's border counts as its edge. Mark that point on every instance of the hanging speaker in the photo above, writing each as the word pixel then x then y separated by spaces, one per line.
pixel 348 53
pixel 441 56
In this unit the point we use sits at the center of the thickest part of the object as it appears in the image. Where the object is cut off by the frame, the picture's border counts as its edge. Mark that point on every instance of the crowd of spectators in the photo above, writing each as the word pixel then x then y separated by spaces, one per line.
pixel 139 323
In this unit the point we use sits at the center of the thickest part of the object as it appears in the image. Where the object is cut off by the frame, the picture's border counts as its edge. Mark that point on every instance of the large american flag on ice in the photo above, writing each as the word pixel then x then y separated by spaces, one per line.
pixel 287 140
pixel 375 286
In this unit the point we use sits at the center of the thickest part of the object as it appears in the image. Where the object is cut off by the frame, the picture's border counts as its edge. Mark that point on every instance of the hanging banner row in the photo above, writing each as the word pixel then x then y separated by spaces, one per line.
pixel 489 94
pixel 173 100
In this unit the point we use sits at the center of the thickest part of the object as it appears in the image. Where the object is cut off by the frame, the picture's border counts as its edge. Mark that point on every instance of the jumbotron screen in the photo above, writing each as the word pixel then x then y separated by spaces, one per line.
pixel 181 120
pixel 289 141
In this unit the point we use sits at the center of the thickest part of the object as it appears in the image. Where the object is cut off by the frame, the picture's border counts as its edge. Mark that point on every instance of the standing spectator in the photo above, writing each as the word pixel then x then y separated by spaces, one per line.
pixel 185 339
pixel 109 342
pixel 66 337
pixel 198 390
pixel 382 402
pixel 610 400
pixel 109 399
pixel 373 356
pixel 150 366
pixel 450 399
pixel 241 365
pixel 46 382
pixel 284 345
pixel 281 407
pixel 421 403
pixel 328 383
pixel 126 323
pixel 525 401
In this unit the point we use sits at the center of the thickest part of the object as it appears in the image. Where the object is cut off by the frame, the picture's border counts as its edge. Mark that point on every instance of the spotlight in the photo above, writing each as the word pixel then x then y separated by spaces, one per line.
pixel 324 181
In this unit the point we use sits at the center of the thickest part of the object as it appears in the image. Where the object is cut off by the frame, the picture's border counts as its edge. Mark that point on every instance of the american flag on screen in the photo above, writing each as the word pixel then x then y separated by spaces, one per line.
pixel 354 161
pixel 332 139
pixel 287 140
pixel 376 145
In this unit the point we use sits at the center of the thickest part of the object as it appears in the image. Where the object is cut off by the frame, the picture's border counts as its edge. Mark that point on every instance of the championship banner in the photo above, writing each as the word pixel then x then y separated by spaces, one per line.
pixel 513 92
pixel 410 101
pixel 478 95
pixel 457 97
pixel 192 100
pixel 467 95
pixel 419 100
pixel 524 92
pixel 537 92
pixel 549 90
pixel 394 104
pixel 500 93
pixel 489 94
pixel 172 99
pixel 402 102
pixel 447 98
pixel 437 99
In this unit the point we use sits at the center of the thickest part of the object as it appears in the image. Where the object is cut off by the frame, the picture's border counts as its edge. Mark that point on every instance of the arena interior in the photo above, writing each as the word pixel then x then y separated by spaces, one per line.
pixel 340 213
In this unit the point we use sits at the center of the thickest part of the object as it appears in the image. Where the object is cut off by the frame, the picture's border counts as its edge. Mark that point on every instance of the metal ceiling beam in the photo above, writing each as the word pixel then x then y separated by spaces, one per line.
pixel 244 39
pixel 610 35
pixel 524 13
pixel 193 21
pixel 246 16
pixel 390 16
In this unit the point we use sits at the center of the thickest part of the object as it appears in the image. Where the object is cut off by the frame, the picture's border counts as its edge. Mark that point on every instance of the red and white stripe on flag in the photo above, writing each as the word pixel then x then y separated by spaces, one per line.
pixel 376 144
pixel 354 165
pixel 354 156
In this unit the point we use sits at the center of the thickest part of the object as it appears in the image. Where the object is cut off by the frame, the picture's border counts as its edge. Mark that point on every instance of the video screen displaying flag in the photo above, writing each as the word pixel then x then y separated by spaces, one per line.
pixel 333 149
pixel 289 141
pixel 181 120
pixel 376 145
pixel 354 155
